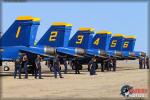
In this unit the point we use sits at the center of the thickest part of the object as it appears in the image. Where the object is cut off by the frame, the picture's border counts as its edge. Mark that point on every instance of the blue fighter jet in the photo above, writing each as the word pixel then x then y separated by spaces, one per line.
pixel 123 47
pixel 19 36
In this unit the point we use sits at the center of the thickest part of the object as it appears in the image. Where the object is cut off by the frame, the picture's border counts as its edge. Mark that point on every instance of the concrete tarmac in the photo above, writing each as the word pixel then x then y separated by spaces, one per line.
pixel 75 86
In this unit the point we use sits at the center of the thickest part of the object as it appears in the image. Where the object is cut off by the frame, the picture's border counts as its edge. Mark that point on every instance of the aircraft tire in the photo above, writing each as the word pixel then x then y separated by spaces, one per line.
pixel 114 68
pixel 73 67
pixel 80 67
pixel 6 68
pixel 96 66
pixel 88 68
pixel 51 69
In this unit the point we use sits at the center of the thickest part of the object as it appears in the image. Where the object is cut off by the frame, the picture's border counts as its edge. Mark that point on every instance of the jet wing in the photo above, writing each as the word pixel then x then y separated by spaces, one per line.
pixel 6 59
pixel 68 51
pixel 35 50
pixel 93 52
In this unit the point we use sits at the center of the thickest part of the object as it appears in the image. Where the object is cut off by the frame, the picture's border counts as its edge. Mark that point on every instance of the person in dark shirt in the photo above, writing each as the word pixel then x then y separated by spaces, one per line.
pixel 65 65
pixel 92 65
pixel 38 67
pixel 140 63
pixel 77 66
pixel 25 60
pixel 147 62
pixel 17 67
pixel 56 67
pixel 114 64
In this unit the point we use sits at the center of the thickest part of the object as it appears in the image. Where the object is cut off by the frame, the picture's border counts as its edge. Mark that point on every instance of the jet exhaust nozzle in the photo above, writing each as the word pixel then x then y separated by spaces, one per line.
pixel 50 50
pixel 118 53
pixel 132 54
pixel 80 51
pixel 143 54
pixel 102 53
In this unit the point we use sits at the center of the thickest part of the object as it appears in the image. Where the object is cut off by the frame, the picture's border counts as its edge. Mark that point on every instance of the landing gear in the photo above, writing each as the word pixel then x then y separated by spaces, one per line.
pixel 102 66
pixel 51 68
pixel 96 66
pixel 73 67
pixel 0 63
pixel 114 68
pixel 88 68
pixel 6 68
pixel 60 68
pixel 80 67
pixel 31 68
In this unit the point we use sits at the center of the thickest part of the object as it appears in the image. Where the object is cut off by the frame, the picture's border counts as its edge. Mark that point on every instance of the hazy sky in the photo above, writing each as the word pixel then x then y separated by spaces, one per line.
pixel 129 18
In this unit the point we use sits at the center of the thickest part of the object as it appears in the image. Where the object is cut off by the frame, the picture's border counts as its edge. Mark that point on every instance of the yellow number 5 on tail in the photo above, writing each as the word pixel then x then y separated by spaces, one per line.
pixel 113 43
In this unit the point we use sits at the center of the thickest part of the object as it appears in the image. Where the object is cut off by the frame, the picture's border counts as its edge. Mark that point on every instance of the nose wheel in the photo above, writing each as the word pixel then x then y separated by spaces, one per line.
pixel 6 68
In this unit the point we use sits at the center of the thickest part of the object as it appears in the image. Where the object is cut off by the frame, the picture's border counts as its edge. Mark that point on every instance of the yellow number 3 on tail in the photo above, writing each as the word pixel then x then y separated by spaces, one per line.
pixel 80 38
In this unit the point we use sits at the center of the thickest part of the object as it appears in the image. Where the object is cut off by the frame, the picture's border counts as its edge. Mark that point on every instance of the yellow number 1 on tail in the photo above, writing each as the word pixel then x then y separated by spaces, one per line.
pixel 18 31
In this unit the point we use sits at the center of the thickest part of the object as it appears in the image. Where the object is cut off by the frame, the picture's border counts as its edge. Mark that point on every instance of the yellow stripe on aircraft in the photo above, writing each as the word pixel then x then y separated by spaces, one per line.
pixel 36 19
pixel 24 18
pixel 18 31
pixel 118 35
pixel 104 32
pixel 86 29
pixel 131 37
pixel 61 24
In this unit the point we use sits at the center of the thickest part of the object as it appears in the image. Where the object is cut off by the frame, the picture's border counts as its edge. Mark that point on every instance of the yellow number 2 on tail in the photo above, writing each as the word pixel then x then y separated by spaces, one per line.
pixel 53 36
